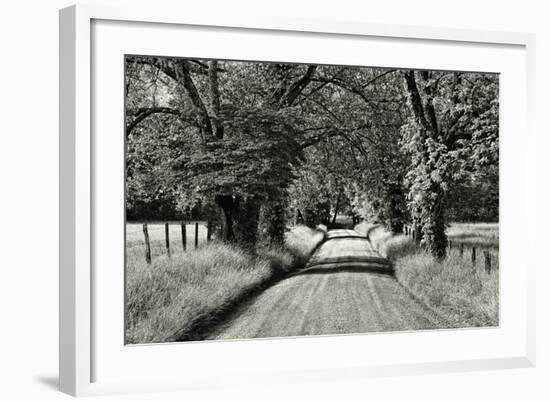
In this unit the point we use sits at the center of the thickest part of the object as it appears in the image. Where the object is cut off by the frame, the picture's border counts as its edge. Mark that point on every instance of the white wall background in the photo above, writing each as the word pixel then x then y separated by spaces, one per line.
pixel 29 200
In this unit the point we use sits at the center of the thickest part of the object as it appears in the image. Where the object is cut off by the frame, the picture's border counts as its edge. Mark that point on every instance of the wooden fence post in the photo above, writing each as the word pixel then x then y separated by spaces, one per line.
pixel 184 236
pixel 167 237
pixel 450 245
pixel 461 250
pixel 417 233
pixel 208 231
pixel 474 256
pixel 196 235
pixel 487 255
pixel 147 244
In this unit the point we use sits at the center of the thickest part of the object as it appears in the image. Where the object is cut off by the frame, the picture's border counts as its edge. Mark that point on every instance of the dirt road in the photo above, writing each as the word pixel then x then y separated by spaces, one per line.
pixel 344 289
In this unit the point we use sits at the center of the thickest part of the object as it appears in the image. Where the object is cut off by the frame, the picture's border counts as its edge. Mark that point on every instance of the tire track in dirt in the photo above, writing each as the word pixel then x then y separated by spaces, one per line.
pixel 331 299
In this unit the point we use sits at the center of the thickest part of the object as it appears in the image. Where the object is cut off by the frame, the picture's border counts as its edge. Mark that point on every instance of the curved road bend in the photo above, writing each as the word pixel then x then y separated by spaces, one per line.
pixel 345 288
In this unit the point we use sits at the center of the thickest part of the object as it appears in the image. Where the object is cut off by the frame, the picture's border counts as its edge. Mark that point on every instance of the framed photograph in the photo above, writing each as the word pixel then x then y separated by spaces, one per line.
pixel 275 200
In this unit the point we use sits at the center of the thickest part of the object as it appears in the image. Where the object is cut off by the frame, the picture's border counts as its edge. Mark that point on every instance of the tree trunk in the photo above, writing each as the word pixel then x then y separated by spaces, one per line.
pixel 273 222
pixel 310 217
pixel 417 230
pixel 215 99
pixel 226 203
pixel 430 209
pixel 396 208
pixel 433 229
pixel 241 218
pixel 336 209
pixel 396 226
pixel 184 77
pixel 299 217
pixel 246 219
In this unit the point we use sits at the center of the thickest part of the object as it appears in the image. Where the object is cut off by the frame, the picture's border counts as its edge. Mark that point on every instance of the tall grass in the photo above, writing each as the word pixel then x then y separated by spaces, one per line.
pixel 365 228
pixel 169 299
pixel 466 295
pixel 301 241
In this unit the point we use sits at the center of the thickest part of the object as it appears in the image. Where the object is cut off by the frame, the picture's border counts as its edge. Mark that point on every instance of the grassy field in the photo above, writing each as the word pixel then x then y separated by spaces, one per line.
pixel 484 235
pixel 466 295
pixel 135 240
pixel 169 299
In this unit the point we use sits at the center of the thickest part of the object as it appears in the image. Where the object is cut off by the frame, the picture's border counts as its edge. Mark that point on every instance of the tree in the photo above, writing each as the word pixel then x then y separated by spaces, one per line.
pixel 239 156
pixel 286 83
pixel 260 141
pixel 366 108
pixel 453 129
pixel 250 166
pixel 322 188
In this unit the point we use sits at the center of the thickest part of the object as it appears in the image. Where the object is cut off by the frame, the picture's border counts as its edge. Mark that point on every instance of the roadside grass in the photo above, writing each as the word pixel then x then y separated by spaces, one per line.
pixel 466 295
pixel 169 299
pixel 365 228
pixel 301 241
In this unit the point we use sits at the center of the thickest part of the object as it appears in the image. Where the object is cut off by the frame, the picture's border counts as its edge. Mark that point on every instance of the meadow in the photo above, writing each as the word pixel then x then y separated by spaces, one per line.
pixel 484 235
pixel 174 297
pixel 465 294
pixel 135 240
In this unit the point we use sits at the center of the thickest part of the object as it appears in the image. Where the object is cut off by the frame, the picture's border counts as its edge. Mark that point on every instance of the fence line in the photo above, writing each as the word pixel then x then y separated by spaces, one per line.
pixel 171 222
pixel 147 244
pixel 411 232
pixel 167 238
pixel 184 236
pixel 196 235
pixel 167 235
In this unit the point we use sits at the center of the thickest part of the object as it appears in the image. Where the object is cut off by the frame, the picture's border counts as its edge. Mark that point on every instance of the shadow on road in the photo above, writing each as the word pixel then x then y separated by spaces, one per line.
pixel 358 267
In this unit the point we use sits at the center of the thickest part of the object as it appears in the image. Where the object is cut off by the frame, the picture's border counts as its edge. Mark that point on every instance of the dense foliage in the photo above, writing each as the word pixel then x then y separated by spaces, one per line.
pixel 255 147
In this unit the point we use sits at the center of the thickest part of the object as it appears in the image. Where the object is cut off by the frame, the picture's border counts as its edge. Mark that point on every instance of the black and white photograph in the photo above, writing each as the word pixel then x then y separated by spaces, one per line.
pixel 269 199
pixel 277 200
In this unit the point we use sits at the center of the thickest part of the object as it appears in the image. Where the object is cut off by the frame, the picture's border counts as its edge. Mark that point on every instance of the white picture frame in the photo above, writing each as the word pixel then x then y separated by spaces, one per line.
pixel 80 313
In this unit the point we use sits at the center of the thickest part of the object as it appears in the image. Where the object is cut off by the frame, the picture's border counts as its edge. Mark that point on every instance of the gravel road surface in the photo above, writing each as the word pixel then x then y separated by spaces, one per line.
pixel 345 288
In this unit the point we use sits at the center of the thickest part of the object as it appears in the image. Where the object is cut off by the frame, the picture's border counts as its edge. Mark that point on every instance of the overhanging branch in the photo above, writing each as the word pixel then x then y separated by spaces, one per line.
pixel 142 113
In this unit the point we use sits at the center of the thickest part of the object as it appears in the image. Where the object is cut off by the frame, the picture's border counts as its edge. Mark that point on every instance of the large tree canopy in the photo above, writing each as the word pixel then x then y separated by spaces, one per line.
pixel 257 146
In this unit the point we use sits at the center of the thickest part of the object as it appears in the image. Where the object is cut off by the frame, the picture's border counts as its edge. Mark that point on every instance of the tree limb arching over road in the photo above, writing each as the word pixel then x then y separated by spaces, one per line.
pixel 347 287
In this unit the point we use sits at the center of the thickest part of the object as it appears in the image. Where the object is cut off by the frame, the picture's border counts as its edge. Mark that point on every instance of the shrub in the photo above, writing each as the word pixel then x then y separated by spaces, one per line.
pixel 301 241
pixel 280 260
pixel 395 247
